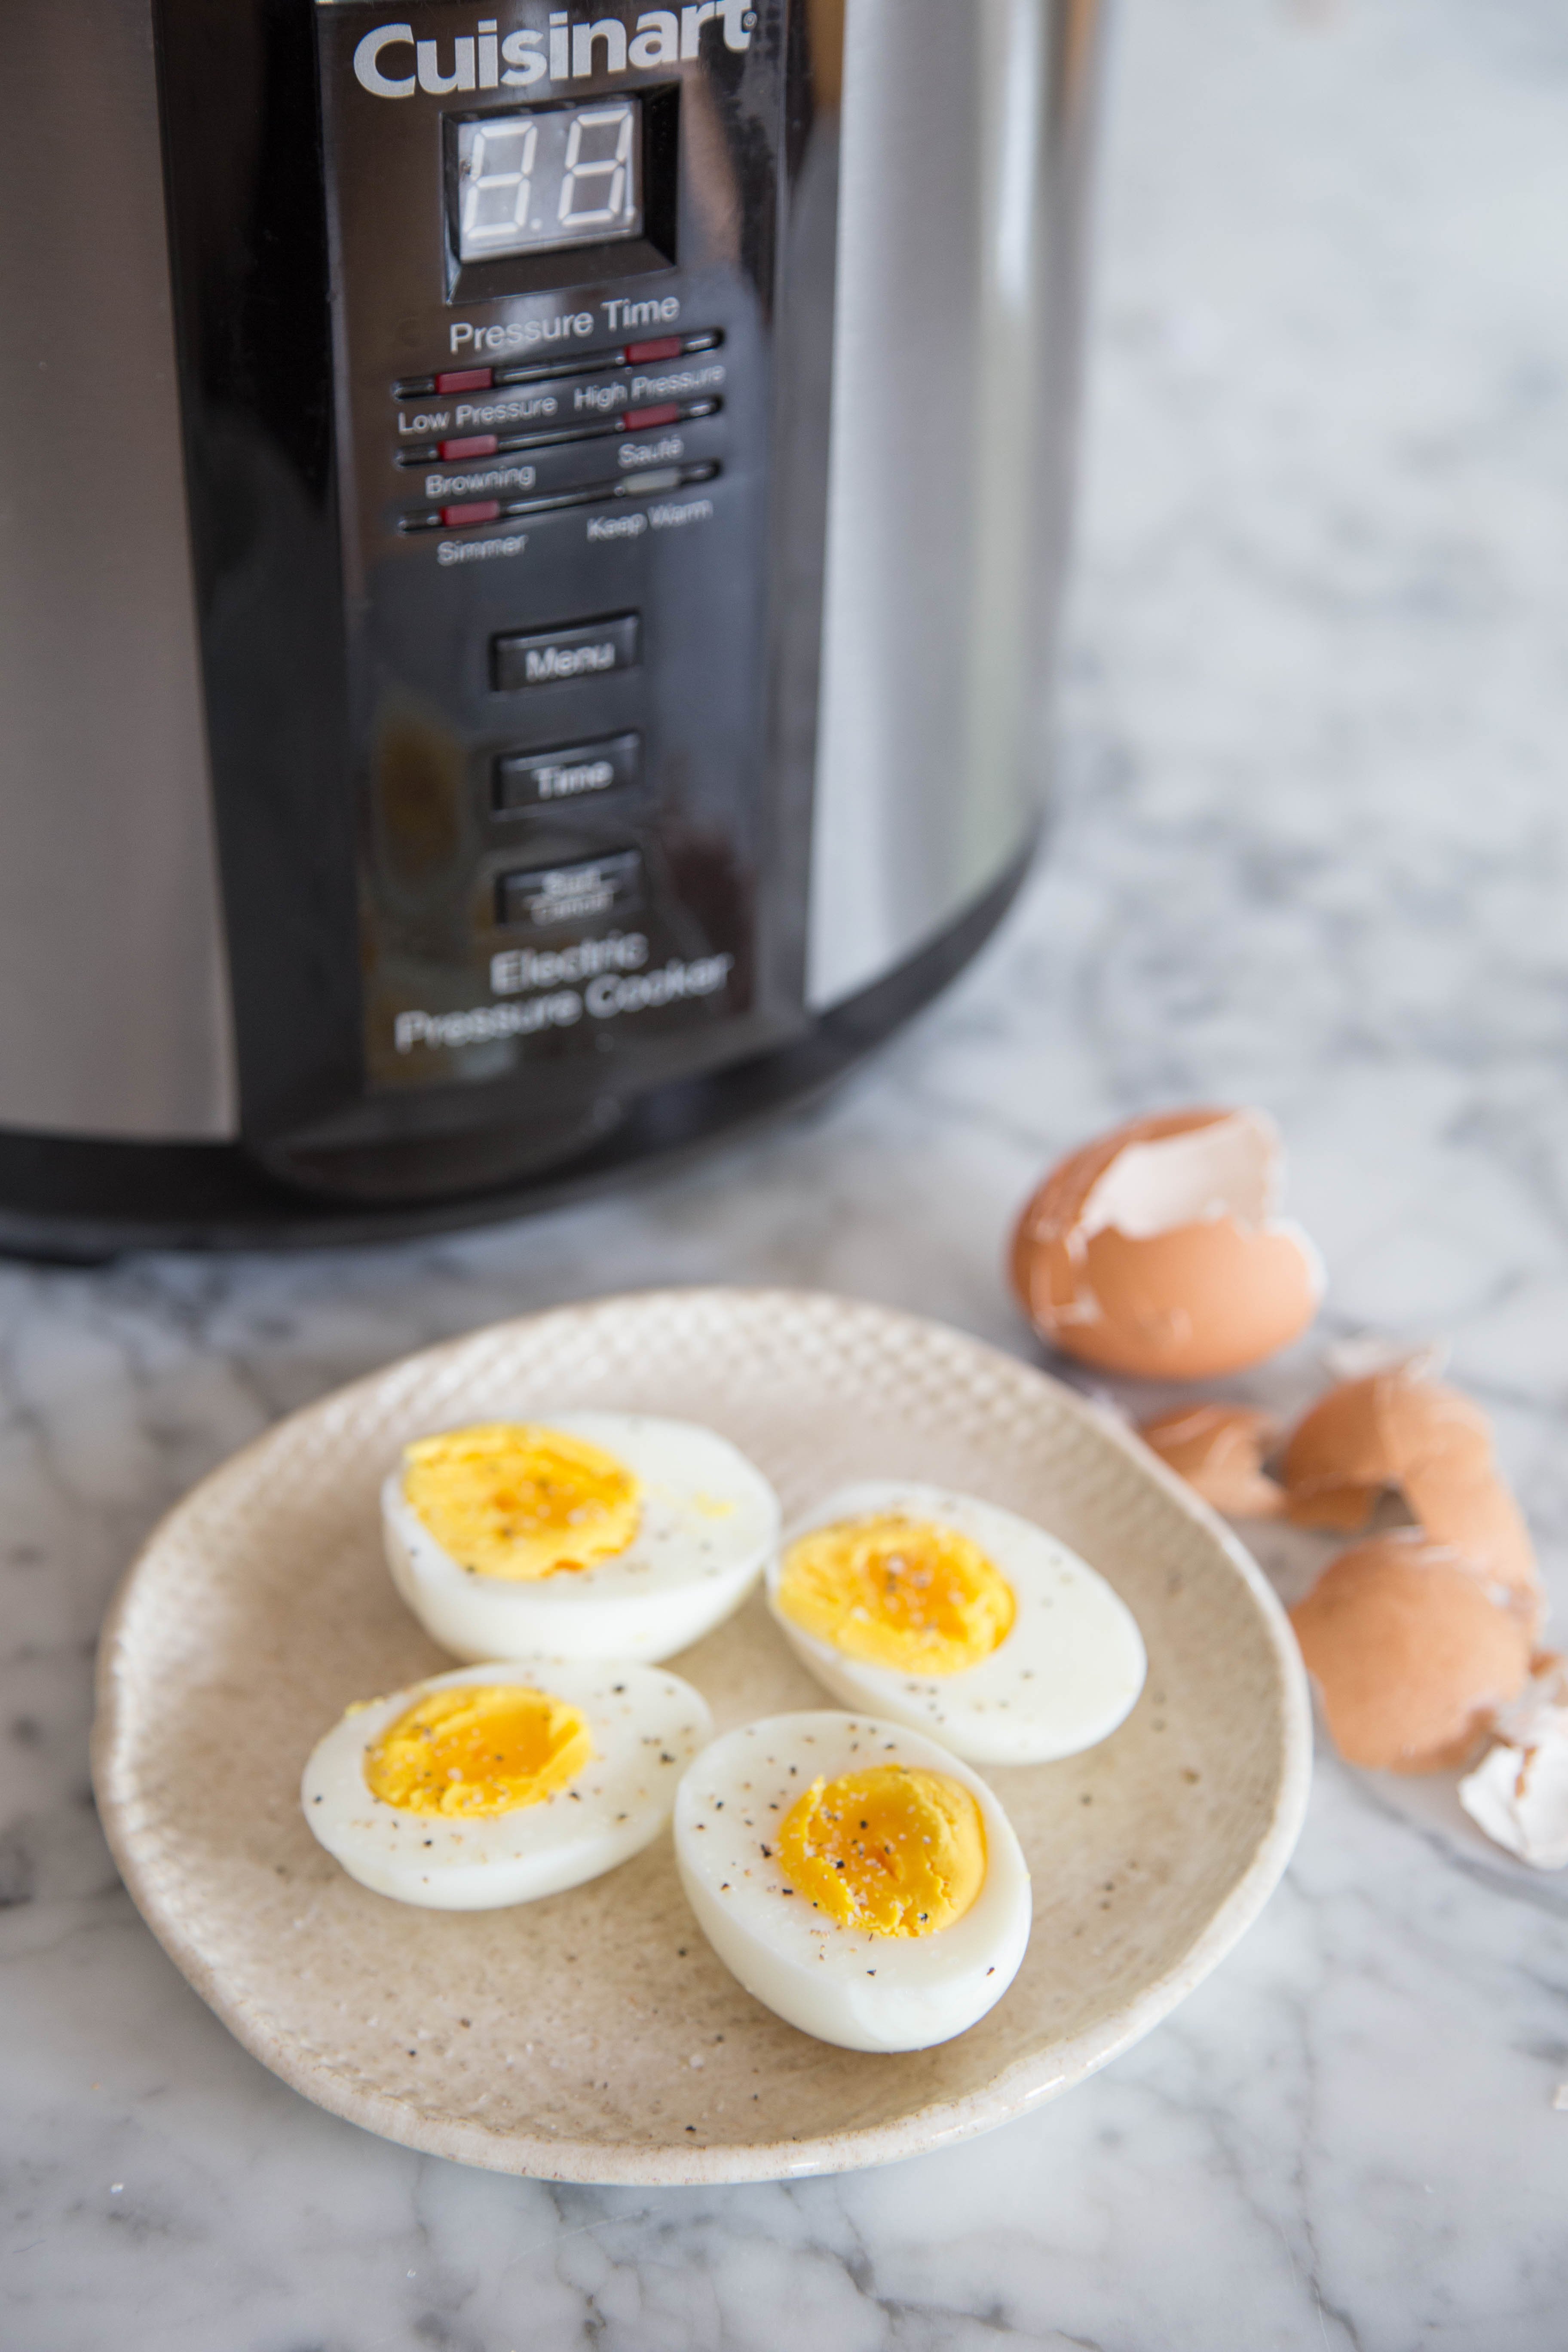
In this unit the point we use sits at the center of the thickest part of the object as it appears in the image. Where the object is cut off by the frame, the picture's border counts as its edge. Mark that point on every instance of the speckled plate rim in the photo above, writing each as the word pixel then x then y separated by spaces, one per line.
pixel 1025 2084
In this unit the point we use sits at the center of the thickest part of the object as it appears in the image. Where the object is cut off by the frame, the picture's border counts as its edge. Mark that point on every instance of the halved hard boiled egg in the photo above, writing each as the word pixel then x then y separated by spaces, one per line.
pixel 592 1535
pixel 498 1783
pixel 957 1617
pixel 861 1881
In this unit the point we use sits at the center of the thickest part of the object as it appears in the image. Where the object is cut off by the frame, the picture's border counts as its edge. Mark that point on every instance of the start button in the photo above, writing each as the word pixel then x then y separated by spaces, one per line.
pixel 548 896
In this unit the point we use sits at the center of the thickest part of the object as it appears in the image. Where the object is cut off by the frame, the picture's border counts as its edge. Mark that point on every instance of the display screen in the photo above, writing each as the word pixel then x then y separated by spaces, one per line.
pixel 547 177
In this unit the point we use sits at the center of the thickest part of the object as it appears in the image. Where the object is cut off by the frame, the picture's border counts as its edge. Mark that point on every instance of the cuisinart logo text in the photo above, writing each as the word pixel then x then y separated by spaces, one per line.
pixel 389 63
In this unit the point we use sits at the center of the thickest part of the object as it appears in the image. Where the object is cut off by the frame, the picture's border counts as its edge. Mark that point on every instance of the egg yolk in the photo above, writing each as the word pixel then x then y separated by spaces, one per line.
pixel 904 1593
pixel 510 1499
pixel 476 1750
pixel 894 1851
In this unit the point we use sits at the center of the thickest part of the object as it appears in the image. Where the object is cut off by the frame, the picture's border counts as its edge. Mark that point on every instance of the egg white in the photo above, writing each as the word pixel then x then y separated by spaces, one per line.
pixel 710 1521
pixel 840 1984
pixel 1068 1672
pixel 646 1728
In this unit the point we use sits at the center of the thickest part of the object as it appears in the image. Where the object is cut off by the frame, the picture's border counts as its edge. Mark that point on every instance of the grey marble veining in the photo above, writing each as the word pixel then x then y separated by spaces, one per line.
pixel 1312 851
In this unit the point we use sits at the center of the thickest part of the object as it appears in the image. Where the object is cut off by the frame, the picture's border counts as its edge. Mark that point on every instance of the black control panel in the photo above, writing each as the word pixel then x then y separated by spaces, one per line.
pixel 553 244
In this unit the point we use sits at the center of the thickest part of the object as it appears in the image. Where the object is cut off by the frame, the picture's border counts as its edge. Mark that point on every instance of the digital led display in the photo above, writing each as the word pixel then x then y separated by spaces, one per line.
pixel 549 177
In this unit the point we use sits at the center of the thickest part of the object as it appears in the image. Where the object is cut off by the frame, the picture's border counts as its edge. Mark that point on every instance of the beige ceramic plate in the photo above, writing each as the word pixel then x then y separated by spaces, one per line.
pixel 594 2036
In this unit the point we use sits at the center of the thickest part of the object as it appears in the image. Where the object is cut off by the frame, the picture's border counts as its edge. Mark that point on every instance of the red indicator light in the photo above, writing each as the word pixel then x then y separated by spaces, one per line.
pixel 669 347
pixel 644 420
pixel 466 380
pixel 478 445
pixel 478 510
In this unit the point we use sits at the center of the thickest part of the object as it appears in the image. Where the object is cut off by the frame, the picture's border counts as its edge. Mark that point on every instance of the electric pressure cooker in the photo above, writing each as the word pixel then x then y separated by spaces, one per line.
pixel 527 563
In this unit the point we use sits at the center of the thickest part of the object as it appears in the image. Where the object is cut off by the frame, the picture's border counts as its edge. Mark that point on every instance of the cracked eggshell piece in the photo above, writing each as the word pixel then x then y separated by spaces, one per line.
pixel 1518 1796
pixel 1397 1429
pixel 1218 1449
pixel 710 1521
pixel 646 1728
pixel 1413 1654
pixel 1066 1674
pixel 1518 1793
pixel 1158 1251
pixel 843 1985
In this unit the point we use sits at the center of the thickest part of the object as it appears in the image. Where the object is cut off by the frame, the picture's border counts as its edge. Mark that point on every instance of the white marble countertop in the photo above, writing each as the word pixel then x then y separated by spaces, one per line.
pixel 1313 852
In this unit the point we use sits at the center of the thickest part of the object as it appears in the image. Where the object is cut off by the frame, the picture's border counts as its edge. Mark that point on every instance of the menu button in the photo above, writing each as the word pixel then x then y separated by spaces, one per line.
pixel 550 656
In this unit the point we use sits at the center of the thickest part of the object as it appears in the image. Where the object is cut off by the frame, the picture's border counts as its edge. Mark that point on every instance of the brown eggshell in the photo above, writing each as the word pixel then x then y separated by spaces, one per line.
pixel 1367 1432
pixel 1412 1656
pixel 1192 1302
pixel 1394 1429
pixel 1218 1449
pixel 1338 1510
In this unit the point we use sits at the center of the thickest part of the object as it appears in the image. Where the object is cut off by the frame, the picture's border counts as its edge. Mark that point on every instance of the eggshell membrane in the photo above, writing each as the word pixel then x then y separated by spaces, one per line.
pixel 1194 1302
pixel 1411 1654
pixel 1396 1430
pixel 1218 1449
